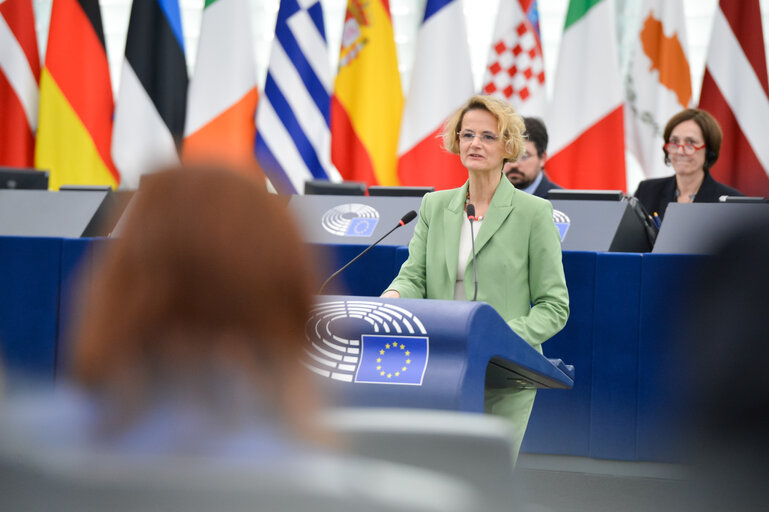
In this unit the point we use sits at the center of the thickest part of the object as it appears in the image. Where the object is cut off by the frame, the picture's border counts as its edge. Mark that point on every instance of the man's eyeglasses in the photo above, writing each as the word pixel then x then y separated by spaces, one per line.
pixel 469 136
pixel 688 147
pixel 524 157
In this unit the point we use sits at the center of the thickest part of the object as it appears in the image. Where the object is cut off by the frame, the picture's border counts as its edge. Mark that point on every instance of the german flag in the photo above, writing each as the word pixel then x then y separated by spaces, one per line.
pixel 75 125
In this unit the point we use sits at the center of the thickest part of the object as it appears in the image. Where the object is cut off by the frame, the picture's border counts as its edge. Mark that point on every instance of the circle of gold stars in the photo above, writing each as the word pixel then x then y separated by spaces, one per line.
pixel 393 346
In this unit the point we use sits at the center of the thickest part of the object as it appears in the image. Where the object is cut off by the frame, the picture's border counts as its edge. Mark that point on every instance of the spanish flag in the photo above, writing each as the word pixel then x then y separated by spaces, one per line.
pixel 368 100
pixel 75 124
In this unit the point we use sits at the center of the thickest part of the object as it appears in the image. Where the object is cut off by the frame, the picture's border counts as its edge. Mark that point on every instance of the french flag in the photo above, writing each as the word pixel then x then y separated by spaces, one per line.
pixel 440 83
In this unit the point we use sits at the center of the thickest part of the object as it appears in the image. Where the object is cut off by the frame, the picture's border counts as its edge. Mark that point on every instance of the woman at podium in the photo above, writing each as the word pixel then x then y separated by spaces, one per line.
pixel 511 242
pixel 692 143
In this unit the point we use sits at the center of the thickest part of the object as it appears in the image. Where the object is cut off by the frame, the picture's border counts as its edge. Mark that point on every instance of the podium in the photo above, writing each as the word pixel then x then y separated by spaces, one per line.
pixel 431 354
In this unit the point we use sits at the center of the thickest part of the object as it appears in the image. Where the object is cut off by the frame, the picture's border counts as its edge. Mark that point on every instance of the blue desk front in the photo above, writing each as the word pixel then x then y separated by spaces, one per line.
pixel 618 337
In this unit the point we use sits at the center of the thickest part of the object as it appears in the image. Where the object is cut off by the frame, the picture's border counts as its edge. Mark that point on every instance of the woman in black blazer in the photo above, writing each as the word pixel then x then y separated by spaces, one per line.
pixel 692 143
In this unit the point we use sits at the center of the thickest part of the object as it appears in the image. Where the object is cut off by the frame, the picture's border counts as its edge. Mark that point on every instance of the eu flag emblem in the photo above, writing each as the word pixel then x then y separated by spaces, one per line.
pixel 392 359
pixel 361 226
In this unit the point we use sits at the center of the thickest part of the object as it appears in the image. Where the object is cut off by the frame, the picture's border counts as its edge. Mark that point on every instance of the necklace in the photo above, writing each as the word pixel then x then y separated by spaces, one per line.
pixel 467 201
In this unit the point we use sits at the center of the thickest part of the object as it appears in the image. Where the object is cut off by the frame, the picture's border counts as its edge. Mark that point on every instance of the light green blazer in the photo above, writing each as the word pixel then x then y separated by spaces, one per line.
pixel 518 248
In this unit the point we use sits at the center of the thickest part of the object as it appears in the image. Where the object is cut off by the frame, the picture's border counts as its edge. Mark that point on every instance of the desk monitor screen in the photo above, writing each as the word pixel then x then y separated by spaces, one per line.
pixel 381 190
pixel 742 199
pixel 330 188
pixel 19 178
pixel 590 195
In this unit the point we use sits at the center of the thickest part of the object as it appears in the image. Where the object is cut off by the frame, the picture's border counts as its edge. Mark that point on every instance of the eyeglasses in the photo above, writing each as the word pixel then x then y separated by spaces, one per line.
pixel 469 136
pixel 688 147
pixel 524 157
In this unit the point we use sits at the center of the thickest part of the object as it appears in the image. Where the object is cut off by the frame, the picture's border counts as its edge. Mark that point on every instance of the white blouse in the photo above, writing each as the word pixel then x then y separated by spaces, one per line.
pixel 465 252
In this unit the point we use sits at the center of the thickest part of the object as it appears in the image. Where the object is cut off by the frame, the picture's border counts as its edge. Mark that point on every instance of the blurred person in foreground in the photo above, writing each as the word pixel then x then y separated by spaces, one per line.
pixel 528 172
pixel 692 142
pixel 520 272
pixel 190 327
pixel 726 364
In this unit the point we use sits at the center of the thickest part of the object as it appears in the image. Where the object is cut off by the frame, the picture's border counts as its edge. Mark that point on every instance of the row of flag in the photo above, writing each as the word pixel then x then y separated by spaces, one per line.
pixel 357 126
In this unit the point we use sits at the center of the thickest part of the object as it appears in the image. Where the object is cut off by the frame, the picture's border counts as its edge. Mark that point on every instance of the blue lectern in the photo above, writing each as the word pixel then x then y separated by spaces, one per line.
pixel 432 354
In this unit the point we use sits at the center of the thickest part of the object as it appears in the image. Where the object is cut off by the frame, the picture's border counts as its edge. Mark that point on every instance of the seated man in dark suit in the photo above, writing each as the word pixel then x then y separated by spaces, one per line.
pixel 527 173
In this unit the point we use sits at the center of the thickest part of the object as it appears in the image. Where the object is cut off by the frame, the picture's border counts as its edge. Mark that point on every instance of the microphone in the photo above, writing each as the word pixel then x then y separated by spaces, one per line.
pixel 404 220
pixel 471 217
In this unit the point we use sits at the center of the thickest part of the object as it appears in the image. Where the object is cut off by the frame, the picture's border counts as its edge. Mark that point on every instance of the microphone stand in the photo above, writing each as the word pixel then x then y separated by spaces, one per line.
pixel 405 220
pixel 471 217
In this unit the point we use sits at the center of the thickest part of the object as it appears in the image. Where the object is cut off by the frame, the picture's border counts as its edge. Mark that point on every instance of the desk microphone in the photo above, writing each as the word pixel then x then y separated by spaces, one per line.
pixel 404 220
pixel 471 217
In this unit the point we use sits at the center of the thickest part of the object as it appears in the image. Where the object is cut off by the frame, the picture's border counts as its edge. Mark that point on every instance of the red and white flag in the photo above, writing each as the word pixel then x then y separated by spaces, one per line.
pixel 19 79
pixel 515 70
pixel 440 83
pixel 735 91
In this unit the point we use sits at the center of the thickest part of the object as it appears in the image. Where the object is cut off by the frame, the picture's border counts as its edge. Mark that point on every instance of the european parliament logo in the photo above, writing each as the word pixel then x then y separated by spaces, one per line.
pixel 562 222
pixel 351 219
pixel 392 359
pixel 366 342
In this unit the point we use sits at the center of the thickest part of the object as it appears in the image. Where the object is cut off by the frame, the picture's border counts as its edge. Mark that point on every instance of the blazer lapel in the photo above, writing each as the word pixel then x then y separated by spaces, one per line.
pixel 500 207
pixel 452 227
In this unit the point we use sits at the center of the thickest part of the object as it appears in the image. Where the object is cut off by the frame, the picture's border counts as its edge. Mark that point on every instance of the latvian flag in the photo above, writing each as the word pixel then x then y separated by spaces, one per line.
pixel 735 90
pixel 19 77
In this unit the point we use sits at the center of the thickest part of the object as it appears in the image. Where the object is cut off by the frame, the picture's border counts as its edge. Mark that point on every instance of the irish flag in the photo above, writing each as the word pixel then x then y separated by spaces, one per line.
pixel 368 100
pixel 222 94
pixel 587 142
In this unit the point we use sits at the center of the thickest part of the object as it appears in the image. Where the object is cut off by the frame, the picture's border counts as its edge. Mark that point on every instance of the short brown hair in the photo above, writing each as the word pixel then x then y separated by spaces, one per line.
pixel 208 272
pixel 711 133
pixel 509 123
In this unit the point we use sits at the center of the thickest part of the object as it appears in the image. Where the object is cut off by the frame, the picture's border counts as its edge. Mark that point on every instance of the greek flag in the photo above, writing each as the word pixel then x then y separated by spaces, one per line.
pixel 292 121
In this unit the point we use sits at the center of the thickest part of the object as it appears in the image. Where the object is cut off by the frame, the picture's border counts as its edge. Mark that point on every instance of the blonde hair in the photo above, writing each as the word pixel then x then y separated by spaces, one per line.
pixel 509 124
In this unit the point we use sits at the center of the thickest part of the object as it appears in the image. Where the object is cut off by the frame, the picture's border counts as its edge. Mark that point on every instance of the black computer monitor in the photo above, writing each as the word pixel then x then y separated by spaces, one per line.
pixel 586 195
pixel 330 188
pixel 382 190
pixel 21 178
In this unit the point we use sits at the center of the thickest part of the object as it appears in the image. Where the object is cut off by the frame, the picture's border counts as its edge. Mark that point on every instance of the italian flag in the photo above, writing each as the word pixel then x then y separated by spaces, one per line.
pixel 222 96
pixel 586 120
